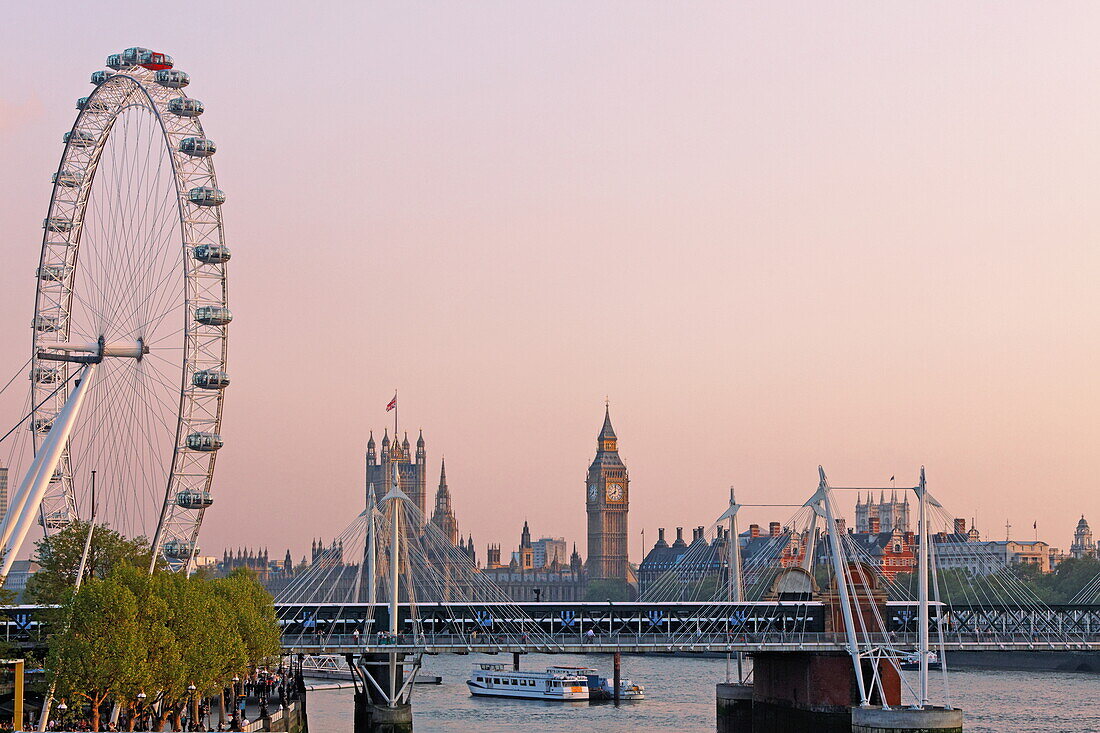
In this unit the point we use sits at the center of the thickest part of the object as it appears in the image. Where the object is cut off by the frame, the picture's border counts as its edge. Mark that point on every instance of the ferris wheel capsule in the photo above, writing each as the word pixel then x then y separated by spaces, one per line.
pixel 194 499
pixel 68 179
pixel 204 442
pixel 41 425
pixel 46 323
pixel 79 139
pixel 155 61
pixel 205 196
pixel 185 107
pixel 57 224
pixel 212 254
pixel 54 273
pixel 213 315
pixel 45 375
pixel 210 379
pixel 98 77
pixel 198 147
pixel 172 78
pixel 92 105
pixel 179 549
pixel 132 56
pixel 114 61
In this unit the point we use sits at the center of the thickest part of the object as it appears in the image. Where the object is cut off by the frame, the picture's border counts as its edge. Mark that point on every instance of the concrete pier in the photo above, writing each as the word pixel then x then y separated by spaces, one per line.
pixel 372 713
pixel 372 718
pixel 733 704
pixel 906 720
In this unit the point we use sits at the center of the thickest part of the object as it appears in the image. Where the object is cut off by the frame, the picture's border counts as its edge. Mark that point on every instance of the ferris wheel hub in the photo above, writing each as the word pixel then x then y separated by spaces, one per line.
pixel 95 352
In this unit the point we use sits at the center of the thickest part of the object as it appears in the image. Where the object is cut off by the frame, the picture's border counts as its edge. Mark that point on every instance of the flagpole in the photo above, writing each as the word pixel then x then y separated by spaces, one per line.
pixel 395 408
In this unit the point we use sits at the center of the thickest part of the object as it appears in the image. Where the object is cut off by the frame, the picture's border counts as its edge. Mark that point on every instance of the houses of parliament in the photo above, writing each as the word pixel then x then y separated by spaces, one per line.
pixel 536 570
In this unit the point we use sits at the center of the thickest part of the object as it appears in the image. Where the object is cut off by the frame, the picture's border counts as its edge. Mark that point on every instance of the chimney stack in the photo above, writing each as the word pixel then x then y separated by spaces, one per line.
pixel 960 526
pixel 773 529
pixel 754 530
pixel 876 525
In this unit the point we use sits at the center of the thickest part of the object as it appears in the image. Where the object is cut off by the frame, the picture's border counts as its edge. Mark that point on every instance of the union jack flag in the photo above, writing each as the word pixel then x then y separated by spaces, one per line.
pixel 393 404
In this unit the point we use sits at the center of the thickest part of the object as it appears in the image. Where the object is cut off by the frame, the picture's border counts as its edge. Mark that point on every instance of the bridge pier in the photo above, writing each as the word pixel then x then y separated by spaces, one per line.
pixel 733 703
pixel 800 692
pixel 383 690
pixel 906 720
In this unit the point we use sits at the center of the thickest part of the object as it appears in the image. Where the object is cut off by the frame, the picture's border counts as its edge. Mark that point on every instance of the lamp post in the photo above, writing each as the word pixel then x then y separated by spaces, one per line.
pixel 140 712
pixel 263 695
pixel 191 706
pixel 236 706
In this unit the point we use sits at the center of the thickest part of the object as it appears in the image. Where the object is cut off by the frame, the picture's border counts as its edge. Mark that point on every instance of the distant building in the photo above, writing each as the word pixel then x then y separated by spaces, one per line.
pixel 206 561
pixel 965 550
pixel 1083 544
pixel 522 579
pixel 690 571
pixel 21 572
pixel 891 514
pixel 547 549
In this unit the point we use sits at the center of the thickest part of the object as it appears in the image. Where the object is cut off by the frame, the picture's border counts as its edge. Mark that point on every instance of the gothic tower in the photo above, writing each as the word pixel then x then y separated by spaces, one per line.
pixel 607 502
pixel 443 516
pixel 412 470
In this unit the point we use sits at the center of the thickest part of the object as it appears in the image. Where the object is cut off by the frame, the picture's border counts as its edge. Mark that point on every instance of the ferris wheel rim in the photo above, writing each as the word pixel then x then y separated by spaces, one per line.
pixel 202 343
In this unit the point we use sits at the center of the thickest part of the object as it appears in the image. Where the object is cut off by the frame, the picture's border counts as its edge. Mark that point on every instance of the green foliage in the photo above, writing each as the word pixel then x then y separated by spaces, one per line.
pixel 253 609
pixel 609 590
pixel 59 556
pixel 132 632
pixel 101 654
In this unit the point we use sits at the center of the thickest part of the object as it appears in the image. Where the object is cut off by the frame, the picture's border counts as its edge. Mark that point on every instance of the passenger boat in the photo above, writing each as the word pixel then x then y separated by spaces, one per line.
pixel 603 688
pixel 912 661
pixel 556 683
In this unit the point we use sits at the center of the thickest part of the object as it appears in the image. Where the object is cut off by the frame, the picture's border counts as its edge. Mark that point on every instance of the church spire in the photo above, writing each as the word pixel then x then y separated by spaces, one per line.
pixel 443 515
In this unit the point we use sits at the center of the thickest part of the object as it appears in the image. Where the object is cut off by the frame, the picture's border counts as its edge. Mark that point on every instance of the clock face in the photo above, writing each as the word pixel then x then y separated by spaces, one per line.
pixel 614 492
pixel 593 492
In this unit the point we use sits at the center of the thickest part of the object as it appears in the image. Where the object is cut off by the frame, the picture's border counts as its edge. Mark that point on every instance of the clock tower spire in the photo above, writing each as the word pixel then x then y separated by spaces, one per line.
pixel 607 502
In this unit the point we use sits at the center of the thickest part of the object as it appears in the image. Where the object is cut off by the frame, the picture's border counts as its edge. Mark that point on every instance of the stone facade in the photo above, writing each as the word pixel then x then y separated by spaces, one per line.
pixel 607 503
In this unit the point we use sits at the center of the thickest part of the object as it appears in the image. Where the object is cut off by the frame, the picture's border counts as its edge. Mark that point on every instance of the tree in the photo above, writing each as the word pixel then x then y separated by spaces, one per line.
pixel 608 590
pixel 253 611
pixel 59 557
pixel 101 652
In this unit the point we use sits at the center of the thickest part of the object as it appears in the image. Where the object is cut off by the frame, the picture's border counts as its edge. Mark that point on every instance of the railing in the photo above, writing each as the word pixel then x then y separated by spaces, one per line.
pixel 681 643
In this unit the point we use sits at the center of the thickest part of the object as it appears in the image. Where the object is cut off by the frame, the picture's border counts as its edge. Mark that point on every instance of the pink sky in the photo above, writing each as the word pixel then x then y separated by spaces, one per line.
pixel 775 234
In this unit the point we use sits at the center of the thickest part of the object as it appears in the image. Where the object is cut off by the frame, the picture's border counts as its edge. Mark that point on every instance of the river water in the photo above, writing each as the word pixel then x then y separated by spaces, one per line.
pixel 680 698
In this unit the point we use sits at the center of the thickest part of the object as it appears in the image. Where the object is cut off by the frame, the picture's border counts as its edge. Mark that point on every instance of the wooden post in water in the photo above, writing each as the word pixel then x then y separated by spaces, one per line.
pixel 617 676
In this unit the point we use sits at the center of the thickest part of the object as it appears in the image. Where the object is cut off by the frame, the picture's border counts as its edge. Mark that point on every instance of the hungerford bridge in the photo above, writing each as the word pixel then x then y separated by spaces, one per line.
pixel 826 638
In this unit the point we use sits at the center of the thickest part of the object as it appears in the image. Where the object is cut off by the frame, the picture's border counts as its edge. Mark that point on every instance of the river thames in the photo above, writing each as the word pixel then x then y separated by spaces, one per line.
pixel 680 697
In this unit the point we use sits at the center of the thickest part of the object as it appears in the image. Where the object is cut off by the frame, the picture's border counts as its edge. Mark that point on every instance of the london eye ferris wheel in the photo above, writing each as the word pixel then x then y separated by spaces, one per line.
pixel 130 327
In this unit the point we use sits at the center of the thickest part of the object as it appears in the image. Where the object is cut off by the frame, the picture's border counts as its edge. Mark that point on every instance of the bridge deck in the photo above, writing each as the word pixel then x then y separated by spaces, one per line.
pixel 662 644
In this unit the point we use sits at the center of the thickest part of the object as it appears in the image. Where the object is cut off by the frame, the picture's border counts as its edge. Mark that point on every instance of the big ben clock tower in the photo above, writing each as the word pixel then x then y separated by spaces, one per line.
pixel 608 498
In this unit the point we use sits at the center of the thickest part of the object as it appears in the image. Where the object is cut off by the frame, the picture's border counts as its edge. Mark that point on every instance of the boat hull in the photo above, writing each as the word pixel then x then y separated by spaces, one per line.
pixel 478 691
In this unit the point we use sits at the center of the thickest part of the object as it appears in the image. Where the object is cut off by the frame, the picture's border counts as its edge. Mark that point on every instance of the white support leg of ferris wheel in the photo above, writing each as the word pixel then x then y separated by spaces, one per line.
pixel 33 487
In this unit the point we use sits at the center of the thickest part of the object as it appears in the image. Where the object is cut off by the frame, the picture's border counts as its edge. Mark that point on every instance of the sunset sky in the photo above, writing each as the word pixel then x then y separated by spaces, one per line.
pixel 775 235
